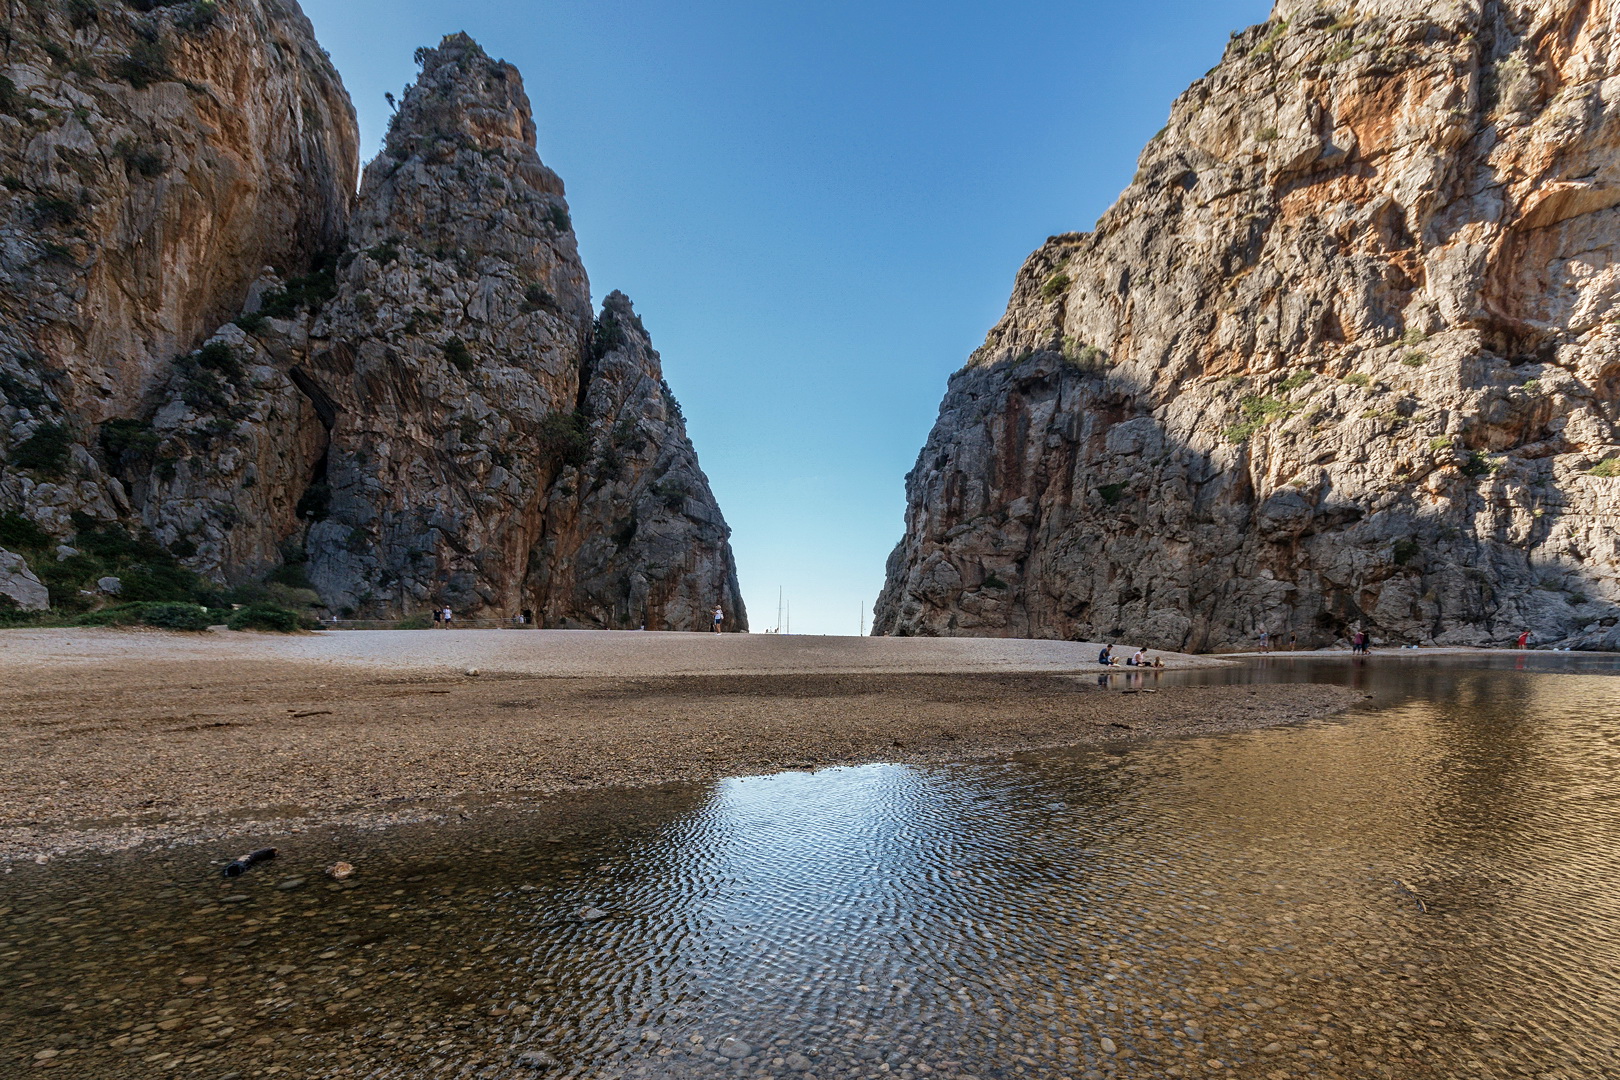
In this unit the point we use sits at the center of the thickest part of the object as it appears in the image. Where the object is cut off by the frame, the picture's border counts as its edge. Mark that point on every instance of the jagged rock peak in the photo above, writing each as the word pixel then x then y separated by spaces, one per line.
pixel 460 178
pixel 462 94
pixel 634 535
pixel 212 348
pixel 619 319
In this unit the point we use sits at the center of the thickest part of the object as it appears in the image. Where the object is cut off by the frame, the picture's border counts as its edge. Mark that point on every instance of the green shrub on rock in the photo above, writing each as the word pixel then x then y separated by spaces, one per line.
pixel 47 451
pixel 159 614
pixel 271 617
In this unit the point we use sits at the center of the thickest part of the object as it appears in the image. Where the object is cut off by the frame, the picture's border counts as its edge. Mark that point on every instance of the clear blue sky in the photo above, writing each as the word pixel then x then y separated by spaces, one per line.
pixel 818 209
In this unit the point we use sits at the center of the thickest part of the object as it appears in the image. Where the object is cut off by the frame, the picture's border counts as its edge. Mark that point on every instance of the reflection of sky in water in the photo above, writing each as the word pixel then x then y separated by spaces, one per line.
pixel 1151 909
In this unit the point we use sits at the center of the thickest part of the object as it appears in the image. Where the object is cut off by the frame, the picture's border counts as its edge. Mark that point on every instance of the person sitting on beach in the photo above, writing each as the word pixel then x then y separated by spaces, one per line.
pixel 1106 657
pixel 1140 659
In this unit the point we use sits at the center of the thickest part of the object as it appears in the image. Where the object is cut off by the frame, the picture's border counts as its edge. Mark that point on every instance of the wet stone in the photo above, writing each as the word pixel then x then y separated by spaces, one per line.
pixel 733 1047
pixel 537 1059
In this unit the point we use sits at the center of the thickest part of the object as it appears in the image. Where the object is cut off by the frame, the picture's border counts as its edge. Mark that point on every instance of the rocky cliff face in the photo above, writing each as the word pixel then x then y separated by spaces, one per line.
pixel 1345 354
pixel 152 162
pixel 633 535
pixel 391 411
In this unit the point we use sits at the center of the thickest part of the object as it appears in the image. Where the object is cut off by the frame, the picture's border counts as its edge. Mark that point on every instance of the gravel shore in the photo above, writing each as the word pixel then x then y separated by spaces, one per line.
pixel 114 739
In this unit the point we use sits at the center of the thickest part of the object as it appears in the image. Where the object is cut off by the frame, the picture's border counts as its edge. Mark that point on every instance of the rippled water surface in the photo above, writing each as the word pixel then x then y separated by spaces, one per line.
pixel 1428 886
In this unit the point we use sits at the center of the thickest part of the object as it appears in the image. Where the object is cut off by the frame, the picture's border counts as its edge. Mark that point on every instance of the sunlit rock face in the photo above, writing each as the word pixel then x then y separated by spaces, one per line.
pixel 153 163
pixel 392 392
pixel 1345 354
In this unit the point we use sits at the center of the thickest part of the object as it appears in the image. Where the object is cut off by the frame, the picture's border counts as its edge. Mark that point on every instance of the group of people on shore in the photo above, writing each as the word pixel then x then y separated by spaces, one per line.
pixel 1137 659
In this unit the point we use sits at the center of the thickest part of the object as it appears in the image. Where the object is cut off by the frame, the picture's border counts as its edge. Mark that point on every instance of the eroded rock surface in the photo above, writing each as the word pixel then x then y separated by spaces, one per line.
pixel 633 535
pixel 19 585
pixel 202 339
pixel 1345 354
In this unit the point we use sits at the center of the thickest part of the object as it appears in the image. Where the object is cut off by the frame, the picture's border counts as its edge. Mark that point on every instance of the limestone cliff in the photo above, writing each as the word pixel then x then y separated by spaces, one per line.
pixel 1346 353
pixel 633 536
pixel 389 414
pixel 153 162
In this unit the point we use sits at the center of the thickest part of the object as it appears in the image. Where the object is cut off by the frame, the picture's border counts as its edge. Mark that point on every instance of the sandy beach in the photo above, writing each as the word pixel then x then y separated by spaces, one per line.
pixel 118 738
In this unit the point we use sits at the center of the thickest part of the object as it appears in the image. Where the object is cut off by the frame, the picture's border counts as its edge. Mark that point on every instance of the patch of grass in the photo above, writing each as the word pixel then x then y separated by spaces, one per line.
pixel 252 322
pixel 46 452
pixel 1054 285
pixel 1608 468
pixel 1269 42
pixel 270 617
pixel 1356 378
pixel 1112 493
pixel 991 581
pixel 1296 380
pixel 1530 385
pixel 1258 411
pixel 460 357
pixel 1405 551
pixel 1441 442
pixel 164 616
pixel 1339 52
pixel 1479 465
pixel 1415 359
pixel 1414 337
pixel 559 217
pixel 1268 134
pixel 1083 356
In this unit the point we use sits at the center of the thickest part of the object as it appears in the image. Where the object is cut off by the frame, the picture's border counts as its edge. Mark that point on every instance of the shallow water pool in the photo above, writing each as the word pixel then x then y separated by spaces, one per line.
pixel 1423 887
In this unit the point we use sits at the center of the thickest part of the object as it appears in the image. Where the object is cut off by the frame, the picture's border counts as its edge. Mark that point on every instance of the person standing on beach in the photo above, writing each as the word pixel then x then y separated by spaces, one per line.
pixel 446 614
pixel 1524 640
pixel 1265 641
pixel 719 617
